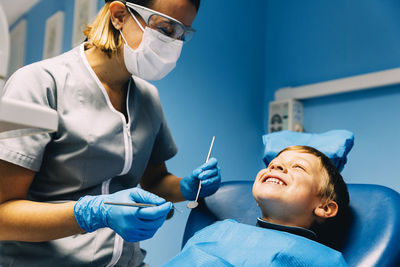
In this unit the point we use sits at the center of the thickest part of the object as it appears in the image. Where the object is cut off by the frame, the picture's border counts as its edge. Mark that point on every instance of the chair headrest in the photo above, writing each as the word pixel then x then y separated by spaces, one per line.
pixel 334 144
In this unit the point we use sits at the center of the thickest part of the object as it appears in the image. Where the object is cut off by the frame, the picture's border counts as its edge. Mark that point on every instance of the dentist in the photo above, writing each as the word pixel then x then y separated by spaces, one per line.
pixel 112 135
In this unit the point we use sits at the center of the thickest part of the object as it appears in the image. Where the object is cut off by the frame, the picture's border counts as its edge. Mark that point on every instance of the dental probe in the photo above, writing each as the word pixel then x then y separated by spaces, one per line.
pixel 137 205
pixel 195 203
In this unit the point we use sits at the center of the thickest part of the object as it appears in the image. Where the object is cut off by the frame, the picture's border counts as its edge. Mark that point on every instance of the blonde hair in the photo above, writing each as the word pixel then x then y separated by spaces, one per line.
pixel 102 33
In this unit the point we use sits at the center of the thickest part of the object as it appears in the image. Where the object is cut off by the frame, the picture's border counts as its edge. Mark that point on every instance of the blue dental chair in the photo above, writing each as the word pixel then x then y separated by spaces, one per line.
pixel 368 236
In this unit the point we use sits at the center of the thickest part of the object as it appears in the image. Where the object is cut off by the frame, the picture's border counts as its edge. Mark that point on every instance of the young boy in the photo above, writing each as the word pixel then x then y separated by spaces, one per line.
pixel 299 191
pixel 301 188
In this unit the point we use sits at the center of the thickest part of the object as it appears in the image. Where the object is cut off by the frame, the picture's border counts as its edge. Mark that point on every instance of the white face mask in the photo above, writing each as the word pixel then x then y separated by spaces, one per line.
pixel 155 57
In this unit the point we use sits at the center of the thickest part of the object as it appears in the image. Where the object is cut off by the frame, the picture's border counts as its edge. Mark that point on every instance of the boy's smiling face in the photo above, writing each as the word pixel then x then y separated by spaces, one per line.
pixel 288 190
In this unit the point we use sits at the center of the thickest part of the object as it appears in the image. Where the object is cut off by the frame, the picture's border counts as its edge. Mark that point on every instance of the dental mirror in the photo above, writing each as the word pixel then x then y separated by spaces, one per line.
pixel 195 203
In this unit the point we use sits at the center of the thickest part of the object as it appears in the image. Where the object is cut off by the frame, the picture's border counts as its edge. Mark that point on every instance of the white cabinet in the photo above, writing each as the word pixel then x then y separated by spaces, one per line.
pixel 18 118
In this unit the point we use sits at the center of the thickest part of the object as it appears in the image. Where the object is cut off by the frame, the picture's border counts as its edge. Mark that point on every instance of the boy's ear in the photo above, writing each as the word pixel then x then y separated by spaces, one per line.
pixel 326 210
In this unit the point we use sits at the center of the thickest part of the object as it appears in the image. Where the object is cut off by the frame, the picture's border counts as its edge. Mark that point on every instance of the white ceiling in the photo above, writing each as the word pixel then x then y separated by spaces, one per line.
pixel 14 9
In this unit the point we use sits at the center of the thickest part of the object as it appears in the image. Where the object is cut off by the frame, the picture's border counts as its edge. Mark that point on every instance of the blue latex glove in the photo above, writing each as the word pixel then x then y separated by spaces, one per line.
pixel 131 223
pixel 208 173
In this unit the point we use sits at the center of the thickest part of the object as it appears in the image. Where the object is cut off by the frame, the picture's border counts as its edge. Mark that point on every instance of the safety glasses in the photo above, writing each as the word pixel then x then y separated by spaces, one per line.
pixel 163 23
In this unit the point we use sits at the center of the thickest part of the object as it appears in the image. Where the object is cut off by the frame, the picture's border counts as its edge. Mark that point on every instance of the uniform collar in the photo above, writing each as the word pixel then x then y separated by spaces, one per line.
pixel 290 229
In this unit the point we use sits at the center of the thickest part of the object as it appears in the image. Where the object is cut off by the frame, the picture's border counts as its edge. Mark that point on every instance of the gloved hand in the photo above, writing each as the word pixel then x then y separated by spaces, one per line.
pixel 131 223
pixel 208 173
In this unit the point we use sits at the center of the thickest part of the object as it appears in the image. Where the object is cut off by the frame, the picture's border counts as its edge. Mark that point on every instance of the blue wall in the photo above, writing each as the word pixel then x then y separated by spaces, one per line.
pixel 36 23
pixel 311 41
pixel 216 89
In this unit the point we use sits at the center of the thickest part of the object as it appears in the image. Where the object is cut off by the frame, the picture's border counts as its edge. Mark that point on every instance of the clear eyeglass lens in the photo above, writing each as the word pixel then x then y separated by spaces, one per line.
pixel 167 27
pixel 188 36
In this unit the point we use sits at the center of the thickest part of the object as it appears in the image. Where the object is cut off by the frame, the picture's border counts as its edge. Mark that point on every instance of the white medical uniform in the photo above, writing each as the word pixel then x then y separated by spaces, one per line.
pixel 94 151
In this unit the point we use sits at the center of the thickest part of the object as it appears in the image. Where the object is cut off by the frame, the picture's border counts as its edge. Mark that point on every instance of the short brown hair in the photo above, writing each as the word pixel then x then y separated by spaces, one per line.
pixel 334 188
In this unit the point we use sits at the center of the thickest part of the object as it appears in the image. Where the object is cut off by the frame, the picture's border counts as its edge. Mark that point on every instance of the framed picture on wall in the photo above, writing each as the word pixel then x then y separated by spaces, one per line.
pixel 54 35
pixel 84 12
pixel 17 47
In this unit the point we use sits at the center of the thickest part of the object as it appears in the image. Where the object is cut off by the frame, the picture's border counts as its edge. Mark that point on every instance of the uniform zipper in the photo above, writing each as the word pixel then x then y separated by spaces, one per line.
pixel 128 149
pixel 127 135
pixel 118 241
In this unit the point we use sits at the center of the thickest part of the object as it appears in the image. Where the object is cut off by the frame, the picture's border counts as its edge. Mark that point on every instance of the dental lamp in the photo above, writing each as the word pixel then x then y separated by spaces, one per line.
pixel 18 118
